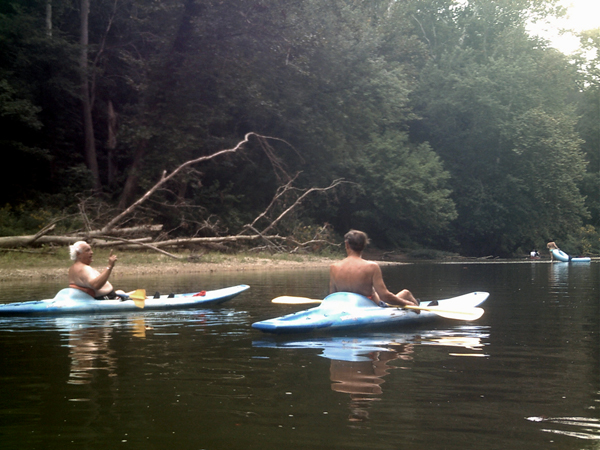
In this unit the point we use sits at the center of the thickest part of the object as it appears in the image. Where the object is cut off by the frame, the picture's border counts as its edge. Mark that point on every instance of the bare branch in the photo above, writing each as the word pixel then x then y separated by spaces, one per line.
pixel 302 197
pixel 281 190
pixel 143 244
pixel 165 178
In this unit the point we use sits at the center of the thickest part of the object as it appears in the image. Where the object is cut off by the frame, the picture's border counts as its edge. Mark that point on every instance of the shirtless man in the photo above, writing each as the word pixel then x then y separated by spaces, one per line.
pixel 552 246
pixel 83 277
pixel 354 274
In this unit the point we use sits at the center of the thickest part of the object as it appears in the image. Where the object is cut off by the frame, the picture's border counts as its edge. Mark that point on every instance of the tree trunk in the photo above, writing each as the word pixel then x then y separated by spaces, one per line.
pixel 111 145
pixel 88 124
pixel 133 177
pixel 49 18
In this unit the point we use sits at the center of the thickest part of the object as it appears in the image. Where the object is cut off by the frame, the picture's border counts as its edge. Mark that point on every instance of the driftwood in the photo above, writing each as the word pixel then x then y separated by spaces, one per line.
pixel 42 238
pixel 111 235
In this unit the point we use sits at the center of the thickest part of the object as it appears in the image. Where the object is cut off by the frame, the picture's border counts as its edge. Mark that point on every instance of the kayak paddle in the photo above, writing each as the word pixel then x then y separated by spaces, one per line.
pixel 139 297
pixel 457 314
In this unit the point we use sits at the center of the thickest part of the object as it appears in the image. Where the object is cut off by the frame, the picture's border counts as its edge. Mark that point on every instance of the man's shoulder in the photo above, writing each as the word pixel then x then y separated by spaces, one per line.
pixel 354 263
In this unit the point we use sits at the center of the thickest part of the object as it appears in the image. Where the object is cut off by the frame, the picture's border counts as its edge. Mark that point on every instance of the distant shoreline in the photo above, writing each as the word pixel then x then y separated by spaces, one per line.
pixel 169 268
pixel 128 267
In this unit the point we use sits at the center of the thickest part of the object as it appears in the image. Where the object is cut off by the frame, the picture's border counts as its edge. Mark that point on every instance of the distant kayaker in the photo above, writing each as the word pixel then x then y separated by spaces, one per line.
pixel 83 277
pixel 552 246
pixel 354 274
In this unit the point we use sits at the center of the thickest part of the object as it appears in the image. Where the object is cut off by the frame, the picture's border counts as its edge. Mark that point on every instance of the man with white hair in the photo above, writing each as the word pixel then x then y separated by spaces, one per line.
pixel 83 277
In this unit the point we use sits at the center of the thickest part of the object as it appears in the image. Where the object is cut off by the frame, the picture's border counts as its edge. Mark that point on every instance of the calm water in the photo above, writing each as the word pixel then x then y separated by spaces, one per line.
pixel 526 375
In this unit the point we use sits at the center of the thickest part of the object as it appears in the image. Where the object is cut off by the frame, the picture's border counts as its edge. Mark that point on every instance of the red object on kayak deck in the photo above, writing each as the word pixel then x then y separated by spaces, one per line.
pixel 200 294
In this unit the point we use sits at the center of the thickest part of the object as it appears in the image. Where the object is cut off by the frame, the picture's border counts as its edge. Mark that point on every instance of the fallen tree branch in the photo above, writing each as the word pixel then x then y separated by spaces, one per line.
pixel 111 236
pixel 43 231
pixel 299 200
pixel 281 190
pixel 42 238
pixel 165 178
pixel 143 244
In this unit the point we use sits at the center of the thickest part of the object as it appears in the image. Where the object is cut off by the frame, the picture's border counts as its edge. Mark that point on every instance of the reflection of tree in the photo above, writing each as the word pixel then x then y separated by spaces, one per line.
pixel 89 351
pixel 363 379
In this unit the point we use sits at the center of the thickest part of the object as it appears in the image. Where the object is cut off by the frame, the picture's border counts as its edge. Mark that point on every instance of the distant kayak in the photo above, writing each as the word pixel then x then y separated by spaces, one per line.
pixel 347 310
pixel 74 301
pixel 562 256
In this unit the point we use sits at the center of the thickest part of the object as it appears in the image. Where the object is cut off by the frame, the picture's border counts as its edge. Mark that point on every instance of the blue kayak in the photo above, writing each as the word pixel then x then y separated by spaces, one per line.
pixel 74 301
pixel 348 310
pixel 562 256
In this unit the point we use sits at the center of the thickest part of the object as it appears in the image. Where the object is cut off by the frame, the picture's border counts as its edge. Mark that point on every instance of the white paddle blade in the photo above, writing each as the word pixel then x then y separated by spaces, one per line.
pixel 457 314
pixel 290 300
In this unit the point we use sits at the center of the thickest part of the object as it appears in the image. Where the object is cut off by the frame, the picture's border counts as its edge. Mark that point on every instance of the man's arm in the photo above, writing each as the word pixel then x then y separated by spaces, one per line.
pixel 382 290
pixel 89 277
pixel 332 274
pixel 93 278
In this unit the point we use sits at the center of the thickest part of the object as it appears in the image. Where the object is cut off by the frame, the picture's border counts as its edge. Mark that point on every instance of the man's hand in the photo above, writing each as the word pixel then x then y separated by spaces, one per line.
pixel 112 259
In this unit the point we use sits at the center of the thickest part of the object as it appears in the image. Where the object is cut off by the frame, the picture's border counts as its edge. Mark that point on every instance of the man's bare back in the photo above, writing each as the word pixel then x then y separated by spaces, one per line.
pixel 354 274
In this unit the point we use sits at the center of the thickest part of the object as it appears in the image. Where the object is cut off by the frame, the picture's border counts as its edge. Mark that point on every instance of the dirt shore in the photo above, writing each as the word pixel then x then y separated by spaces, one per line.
pixel 130 264
pixel 170 268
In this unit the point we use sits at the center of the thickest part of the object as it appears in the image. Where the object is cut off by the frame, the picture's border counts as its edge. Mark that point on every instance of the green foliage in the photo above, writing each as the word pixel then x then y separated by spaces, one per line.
pixel 454 127
pixel 590 240
pixel 23 219
pixel 499 111
pixel 405 187
pixel 586 241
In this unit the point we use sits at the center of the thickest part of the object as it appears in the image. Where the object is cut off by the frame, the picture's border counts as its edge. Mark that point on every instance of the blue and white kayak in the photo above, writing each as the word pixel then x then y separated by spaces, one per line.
pixel 562 256
pixel 348 310
pixel 75 301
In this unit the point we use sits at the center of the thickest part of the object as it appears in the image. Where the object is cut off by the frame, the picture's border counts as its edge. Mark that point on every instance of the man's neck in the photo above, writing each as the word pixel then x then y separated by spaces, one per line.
pixel 352 254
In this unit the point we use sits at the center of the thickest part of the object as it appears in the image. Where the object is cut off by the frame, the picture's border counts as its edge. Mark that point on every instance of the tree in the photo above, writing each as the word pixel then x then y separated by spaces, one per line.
pixel 492 102
pixel 588 62
pixel 405 188
pixel 89 146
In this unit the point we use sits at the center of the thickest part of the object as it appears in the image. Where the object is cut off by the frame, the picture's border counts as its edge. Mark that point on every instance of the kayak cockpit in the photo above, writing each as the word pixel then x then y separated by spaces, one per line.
pixel 345 300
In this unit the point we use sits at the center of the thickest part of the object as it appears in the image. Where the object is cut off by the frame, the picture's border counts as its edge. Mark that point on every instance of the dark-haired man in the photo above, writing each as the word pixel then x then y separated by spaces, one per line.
pixel 354 274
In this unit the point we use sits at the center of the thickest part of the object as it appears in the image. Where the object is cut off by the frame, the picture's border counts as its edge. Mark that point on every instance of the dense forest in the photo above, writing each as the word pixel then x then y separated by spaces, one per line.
pixel 451 126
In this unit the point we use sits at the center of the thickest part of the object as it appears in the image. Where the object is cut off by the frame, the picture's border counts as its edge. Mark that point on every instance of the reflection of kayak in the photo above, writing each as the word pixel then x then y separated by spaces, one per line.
pixel 562 256
pixel 358 348
pixel 70 301
pixel 348 310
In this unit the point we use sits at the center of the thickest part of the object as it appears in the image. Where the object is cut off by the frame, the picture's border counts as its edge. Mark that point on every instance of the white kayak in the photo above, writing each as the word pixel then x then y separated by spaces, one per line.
pixel 75 301
pixel 562 256
pixel 348 310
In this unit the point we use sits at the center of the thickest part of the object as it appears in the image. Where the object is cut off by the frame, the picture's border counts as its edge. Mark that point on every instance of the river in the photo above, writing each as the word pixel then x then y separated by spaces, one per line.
pixel 525 375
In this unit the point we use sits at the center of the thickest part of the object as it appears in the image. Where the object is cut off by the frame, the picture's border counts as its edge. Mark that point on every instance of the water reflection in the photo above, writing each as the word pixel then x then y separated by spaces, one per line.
pixel 359 364
pixel 558 276
pixel 586 428
pixel 197 381
pixel 89 351
pixel 363 379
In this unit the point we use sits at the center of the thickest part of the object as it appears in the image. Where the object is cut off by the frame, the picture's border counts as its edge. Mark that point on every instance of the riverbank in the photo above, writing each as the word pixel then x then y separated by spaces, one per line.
pixel 14 267
pixel 55 264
